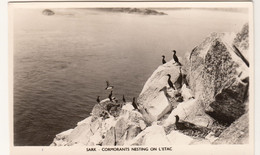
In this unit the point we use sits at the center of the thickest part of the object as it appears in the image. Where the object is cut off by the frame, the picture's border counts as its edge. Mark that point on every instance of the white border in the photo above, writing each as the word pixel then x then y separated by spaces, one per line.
pixel 4 92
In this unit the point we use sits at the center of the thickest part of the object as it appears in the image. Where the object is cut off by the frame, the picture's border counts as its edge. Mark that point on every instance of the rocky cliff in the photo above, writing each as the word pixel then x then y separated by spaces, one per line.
pixel 208 105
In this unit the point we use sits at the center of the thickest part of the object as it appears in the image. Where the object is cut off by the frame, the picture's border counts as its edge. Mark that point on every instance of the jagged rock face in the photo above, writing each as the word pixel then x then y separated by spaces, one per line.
pixel 132 132
pixel 236 133
pixel 242 41
pixel 152 98
pixel 98 130
pixel 216 77
pixel 190 111
pixel 152 136
pixel 110 139
pixel 126 127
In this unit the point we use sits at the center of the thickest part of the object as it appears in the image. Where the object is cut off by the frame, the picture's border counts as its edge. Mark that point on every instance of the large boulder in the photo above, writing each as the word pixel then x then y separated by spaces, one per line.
pixel 152 136
pixel 155 102
pixel 219 77
pixel 178 138
pixel 61 138
pixel 190 111
pixel 110 138
pixel 236 133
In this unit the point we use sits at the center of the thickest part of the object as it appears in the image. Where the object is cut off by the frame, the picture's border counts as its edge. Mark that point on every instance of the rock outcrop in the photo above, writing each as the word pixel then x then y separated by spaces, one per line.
pixel 209 104
pixel 219 78
pixel 141 11
pixel 48 12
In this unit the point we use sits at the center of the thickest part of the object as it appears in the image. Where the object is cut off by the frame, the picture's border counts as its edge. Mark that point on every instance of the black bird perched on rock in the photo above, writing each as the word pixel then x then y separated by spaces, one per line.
pixel 191 129
pixel 175 58
pixel 134 104
pixel 98 100
pixel 182 125
pixel 163 59
pixel 124 98
pixel 108 86
pixel 110 95
pixel 170 82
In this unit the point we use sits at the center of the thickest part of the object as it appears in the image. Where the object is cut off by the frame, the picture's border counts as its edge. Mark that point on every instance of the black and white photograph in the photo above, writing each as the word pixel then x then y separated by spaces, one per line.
pixel 128 75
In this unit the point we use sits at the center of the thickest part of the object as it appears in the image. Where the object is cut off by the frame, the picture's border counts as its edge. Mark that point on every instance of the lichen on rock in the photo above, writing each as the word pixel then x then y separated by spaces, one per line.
pixel 218 75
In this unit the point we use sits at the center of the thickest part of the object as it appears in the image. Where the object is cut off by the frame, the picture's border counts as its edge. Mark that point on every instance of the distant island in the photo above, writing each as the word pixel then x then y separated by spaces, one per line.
pixel 142 11
pixel 48 12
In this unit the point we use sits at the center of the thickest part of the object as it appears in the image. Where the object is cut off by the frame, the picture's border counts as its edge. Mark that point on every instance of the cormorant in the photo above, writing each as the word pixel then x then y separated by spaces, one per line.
pixel 124 98
pixel 108 86
pixel 191 129
pixel 183 125
pixel 175 58
pixel 110 95
pixel 170 82
pixel 98 100
pixel 134 104
pixel 163 59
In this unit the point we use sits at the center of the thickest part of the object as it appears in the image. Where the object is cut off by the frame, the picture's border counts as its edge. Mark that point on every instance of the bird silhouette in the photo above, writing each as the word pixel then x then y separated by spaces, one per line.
pixel 182 125
pixel 108 86
pixel 124 99
pixel 98 100
pixel 191 129
pixel 134 104
pixel 110 95
pixel 170 82
pixel 163 59
pixel 175 58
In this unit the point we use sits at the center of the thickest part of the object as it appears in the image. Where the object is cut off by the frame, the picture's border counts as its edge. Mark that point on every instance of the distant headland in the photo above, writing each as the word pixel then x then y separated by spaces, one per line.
pixel 143 11
pixel 48 12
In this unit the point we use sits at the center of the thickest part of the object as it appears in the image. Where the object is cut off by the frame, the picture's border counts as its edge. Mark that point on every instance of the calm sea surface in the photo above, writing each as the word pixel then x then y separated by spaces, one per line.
pixel 61 62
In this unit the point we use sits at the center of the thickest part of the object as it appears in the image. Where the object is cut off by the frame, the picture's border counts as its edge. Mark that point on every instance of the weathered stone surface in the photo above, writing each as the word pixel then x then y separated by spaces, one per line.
pixel 96 139
pixel 236 133
pixel 61 138
pixel 142 124
pixel 241 41
pixel 186 93
pixel 159 106
pixel 120 130
pixel 152 136
pixel 216 76
pixel 156 136
pixel 80 134
pixel 110 138
pixel 132 132
pixel 151 98
pixel 177 138
pixel 190 111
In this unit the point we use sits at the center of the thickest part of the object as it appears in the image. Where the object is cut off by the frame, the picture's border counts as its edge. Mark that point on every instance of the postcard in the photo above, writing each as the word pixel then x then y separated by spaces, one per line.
pixel 131 77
